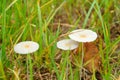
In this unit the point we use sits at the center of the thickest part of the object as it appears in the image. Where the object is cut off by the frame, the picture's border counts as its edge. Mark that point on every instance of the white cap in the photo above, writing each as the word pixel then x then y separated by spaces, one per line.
pixel 83 35
pixel 26 47
pixel 67 44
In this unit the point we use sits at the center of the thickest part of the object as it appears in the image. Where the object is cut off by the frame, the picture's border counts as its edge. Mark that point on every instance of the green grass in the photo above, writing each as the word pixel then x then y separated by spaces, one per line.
pixel 22 20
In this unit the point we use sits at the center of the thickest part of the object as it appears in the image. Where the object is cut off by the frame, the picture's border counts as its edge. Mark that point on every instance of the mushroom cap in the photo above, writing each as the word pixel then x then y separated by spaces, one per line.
pixel 67 44
pixel 26 47
pixel 83 35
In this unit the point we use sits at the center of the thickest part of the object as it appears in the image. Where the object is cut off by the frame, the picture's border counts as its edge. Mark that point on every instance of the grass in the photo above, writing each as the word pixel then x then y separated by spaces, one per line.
pixel 36 20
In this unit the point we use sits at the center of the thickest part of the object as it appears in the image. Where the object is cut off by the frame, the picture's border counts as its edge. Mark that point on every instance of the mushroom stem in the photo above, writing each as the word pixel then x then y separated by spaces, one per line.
pixel 82 61
pixel 27 68
pixel 67 70
pixel 29 63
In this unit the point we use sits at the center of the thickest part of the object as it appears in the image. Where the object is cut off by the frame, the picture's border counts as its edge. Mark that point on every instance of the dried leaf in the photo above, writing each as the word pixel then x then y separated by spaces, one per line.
pixel 92 60
pixel 91 57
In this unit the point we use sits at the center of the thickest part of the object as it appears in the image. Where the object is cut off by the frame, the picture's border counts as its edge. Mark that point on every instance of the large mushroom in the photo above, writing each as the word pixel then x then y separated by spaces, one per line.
pixel 90 55
pixel 83 35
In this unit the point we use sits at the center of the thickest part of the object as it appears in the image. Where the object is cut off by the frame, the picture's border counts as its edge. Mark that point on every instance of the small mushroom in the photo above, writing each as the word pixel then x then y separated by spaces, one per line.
pixel 67 44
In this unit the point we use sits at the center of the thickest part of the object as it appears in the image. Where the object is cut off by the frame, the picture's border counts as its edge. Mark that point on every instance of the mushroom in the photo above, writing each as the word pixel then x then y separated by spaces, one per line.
pixel 67 44
pixel 83 35
pixel 90 58
pixel 26 47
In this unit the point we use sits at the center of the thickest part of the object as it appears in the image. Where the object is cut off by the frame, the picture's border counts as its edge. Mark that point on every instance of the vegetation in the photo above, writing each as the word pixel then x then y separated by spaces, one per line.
pixel 46 22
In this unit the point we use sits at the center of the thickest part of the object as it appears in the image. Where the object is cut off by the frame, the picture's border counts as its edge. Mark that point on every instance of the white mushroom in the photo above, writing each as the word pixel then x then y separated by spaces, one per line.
pixel 83 35
pixel 67 44
pixel 26 47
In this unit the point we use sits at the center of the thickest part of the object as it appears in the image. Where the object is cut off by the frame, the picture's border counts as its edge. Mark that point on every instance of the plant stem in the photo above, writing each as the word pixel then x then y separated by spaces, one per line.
pixel 2 71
